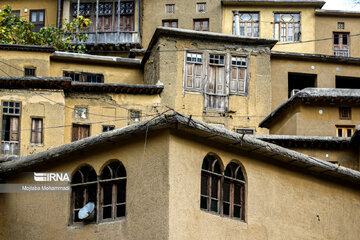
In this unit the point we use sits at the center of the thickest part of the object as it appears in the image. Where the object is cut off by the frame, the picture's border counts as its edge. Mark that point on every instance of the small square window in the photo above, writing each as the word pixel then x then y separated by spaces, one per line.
pixel 341 25
pixel 135 115
pixel 108 128
pixel 30 72
pixel 250 131
pixel 81 113
pixel 345 113
pixel 170 8
pixel 201 7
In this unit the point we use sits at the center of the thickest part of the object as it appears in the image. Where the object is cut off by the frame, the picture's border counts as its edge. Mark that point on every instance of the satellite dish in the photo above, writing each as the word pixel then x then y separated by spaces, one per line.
pixel 87 212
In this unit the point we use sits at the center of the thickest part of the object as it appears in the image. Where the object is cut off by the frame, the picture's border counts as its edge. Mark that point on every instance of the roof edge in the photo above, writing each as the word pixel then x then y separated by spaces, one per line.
pixel 316 3
pixel 29 48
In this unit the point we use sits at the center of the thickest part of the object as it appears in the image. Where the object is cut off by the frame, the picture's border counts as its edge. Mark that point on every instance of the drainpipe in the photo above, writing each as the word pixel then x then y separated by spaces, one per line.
pixel 97 21
pixel 58 14
pixel 138 36
pixel 118 20
pixel 236 30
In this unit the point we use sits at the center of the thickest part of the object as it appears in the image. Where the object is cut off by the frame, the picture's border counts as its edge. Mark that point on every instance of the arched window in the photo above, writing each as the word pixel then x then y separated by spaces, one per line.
pixel 113 191
pixel 234 192
pixel 84 190
pixel 211 175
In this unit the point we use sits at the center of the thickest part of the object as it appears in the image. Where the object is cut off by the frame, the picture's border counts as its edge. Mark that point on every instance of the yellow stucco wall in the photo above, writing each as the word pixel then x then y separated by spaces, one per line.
pixel 185 12
pixel 249 110
pixel 327 25
pixel 50 7
pixel 46 104
pixel 266 26
pixel 309 121
pixel 326 75
pixel 107 110
pixel 123 74
pixel 163 198
pixel 12 63
pixel 46 215
pixel 281 203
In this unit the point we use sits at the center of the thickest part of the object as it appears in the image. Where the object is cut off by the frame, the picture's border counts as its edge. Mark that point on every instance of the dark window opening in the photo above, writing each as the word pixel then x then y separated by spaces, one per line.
pixel 107 128
pixel 299 81
pixel 37 17
pixel 345 113
pixel 85 77
pixel 347 82
pixel 10 128
pixel 30 72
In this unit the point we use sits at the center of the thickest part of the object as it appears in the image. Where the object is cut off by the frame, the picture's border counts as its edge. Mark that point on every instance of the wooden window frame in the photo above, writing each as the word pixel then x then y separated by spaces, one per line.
pixel 37 131
pixel 79 125
pixel 84 76
pixel 193 61
pixel 344 129
pixel 345 113
pixel 340 49
pixel 244 24
pixel 30 72
pixel 38 24
pixel 290 30
pixel 107 128
pixel 10 137
pixel 170 8
pixel 201 7
pixel 201 22
pixel 221 178
pixel 132 117
pixel 240 65
pixel 170 22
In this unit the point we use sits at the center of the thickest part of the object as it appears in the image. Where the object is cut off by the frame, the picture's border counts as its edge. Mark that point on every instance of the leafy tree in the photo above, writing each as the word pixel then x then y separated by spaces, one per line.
pixel 15 30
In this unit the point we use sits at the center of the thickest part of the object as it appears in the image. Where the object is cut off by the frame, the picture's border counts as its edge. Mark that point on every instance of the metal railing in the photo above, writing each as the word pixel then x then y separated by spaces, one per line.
pixel 10 148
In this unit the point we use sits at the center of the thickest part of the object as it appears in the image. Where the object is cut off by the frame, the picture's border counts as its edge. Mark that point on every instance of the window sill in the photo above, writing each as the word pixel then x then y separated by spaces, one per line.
pixel 36 144
pixel 223 216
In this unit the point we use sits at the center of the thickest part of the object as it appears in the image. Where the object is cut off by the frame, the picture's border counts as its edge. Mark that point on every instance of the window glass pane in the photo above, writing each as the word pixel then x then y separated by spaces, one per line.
pixel 237 211
pixel 214 187
pixel 344 39
pixel 277 17
pixel 204 185
pixel 226 209
pixel 107 212
pixel 339 132
pixel 121 191
pixel 120 211
pixel 107 194
pixel 226 191
pixel 33 17
pixel 348 132
pixel 203 203
pixel 214 205
pixel 237 190
pixel 79 197
pixel 336 39
pixel 297 17
pixel 255 16
pixel 41 16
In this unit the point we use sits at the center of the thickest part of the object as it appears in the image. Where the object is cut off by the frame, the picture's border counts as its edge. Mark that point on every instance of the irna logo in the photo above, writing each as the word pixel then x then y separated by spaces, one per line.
pixel 51 177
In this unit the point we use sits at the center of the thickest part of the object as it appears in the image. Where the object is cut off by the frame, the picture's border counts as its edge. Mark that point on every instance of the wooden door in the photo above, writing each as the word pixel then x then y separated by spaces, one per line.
pixel 14 129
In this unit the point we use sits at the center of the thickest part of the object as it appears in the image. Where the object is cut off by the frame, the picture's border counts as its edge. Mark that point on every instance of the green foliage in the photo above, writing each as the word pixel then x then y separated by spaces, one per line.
pixel 15 30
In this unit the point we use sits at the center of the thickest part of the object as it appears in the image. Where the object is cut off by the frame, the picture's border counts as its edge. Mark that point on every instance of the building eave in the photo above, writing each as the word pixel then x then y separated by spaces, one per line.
pixel 66 56
pixel 192 35
pixel 191 127
pixel 315 3
pixel 27 48
pixel 315 57
pixel 330 95
pixel 337 13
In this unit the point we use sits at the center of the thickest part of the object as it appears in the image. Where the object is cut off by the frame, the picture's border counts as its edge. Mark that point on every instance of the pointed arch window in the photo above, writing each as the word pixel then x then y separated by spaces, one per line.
pixel 222 192
pixel 211 175
pixel 113 191
pixel 234 192
pixel 84 190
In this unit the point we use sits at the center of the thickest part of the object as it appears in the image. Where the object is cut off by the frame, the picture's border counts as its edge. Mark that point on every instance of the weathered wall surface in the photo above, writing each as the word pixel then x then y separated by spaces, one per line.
pixel 107 109
pixel 50 7
pixel 326 75
pixel 247 111
pixel 45 104
pixel 46 215
pixel 120 74
pixel 325 27
pixel 185 12
pixel 345 157
pixel 12 63
pixel 266 26
pixel 311 123
pixel 280 203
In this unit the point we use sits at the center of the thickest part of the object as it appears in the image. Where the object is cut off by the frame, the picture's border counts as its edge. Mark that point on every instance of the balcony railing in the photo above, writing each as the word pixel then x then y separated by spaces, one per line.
pixel 124 37
pixel 341 53
pixel 10 148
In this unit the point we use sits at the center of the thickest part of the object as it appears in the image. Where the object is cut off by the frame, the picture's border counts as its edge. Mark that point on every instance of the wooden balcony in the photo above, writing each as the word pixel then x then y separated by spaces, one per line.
pixel 10 148
pixel 112 38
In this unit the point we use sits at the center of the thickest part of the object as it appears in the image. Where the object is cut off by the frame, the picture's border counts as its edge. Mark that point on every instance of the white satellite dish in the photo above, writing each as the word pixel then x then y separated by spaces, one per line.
pixel 87 212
